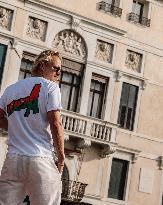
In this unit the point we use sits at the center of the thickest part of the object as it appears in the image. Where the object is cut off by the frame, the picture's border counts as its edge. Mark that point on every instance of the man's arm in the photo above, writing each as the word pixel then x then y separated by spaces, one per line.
pixel 3 120
pixel 56 127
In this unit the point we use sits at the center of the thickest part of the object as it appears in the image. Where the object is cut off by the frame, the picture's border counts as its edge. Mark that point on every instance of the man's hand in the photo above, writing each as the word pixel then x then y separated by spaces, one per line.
pixel 60 165
pixel 56 127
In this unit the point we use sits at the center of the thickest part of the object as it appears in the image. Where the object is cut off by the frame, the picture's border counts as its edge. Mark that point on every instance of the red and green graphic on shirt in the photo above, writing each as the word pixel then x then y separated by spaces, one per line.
pixel 30 103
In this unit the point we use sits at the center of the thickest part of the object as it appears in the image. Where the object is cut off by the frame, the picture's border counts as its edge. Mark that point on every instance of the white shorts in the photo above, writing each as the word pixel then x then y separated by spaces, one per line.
pixel 37 177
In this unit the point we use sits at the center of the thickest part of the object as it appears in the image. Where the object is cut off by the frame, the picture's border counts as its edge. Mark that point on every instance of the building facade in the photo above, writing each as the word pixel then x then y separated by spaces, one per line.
pixel 112 91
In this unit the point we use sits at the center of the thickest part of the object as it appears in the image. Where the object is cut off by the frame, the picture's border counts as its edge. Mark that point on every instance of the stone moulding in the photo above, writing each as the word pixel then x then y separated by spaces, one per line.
pixel 70 43
pixel 6 16
pixel 36 28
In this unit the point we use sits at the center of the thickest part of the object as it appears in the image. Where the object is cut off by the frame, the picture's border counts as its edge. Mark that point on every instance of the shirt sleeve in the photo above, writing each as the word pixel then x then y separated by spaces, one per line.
pixel 54 98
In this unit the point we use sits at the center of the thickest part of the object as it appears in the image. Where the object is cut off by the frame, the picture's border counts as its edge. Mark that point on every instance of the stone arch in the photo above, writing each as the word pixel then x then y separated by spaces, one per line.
pixel 70 43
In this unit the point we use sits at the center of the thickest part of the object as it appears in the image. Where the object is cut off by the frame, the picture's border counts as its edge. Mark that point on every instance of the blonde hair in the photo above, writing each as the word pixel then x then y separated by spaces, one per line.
pixel 44 57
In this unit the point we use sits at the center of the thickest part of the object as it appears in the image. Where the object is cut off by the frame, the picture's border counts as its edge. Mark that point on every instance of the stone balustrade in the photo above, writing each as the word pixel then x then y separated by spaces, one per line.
pixel 87 127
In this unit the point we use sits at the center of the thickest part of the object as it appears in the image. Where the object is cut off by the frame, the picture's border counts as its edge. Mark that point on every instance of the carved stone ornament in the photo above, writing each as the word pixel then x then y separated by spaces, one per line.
pixel 133 61
pixel 69 42
pixel 160 162
pixel 107 150
pixel 75 23
pixel 134 157
pixel 82 144
pixel 36 28
pixel 104 51
pixel 5 18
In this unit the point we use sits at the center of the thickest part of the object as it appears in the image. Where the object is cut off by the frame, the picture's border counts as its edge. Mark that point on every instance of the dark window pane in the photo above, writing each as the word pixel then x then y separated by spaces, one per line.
pixel 26 65
pixel 74 98
pixel 128 120
pixel 122 115
pixel 67 77
pixel 95 105
pixel 125 93
pixel 127 106
pixel 132 95
pixel 118 179
pixel 3 50
pixel 65 92
pixel 90 103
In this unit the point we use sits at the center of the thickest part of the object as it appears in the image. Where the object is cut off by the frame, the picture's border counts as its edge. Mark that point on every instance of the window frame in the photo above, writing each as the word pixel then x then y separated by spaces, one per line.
pixel 133 113
pixel 71 85
pixel 104 96
pixel 126 178
pixel 121 154
pixel 77 106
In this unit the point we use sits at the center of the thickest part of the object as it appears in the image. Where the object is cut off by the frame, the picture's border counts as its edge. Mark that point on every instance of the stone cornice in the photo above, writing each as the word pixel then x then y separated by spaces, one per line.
pixel 85 20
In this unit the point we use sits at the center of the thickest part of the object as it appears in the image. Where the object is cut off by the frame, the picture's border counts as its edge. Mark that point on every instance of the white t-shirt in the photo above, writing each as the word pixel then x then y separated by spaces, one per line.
pixel 26 104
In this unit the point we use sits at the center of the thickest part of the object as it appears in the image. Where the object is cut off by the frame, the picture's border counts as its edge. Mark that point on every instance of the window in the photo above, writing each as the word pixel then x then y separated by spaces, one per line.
pixel 137 8
pixel 118 179
pixel 97 96
pixel 70 84
pixel 139 14
pixel 3 50
pixel 26 65
pixel 127 106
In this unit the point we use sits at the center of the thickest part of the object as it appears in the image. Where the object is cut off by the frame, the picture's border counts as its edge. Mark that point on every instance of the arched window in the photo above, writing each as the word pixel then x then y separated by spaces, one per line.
pixel 73 49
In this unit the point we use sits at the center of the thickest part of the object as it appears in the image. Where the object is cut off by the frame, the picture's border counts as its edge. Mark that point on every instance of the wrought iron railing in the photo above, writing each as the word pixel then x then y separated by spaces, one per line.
pixel 82 126
pixel 72 190
pixel 109 8
pixel 139 19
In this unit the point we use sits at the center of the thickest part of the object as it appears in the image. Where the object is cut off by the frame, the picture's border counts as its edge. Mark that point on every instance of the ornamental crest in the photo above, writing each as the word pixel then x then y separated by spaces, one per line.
pixel 70 43
pixel 133 61
pixel 36 28
pixel 5 18
pixel 104 51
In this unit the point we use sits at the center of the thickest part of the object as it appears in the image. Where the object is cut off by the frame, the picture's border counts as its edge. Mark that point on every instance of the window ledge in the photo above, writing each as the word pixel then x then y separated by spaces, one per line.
pixel 114 201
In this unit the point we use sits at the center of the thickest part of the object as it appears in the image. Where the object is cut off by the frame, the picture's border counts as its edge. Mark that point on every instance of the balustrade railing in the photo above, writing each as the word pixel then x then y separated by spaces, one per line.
pixel 72 190
pixel 96 129
pixel 110 8
pixel 100 132
pixel 138 19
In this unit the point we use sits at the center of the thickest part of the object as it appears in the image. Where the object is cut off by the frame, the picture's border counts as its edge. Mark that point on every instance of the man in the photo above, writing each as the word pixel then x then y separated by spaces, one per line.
pixel 30 106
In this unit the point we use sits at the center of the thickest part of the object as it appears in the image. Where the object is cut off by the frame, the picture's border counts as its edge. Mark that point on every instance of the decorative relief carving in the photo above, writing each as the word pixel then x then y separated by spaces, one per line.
pixel 160 162
pixel 36 28
pixel 75 23
pixel 70 43
pixel 5 18
pixel 107 150
pixel 104 51
pixel 82 144
pixel 133 61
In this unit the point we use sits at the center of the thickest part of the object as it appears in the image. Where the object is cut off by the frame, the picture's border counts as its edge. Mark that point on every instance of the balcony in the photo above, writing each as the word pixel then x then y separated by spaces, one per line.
pixel 72 190
pixel 109 8
pixel 88 128
pixel 139 20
